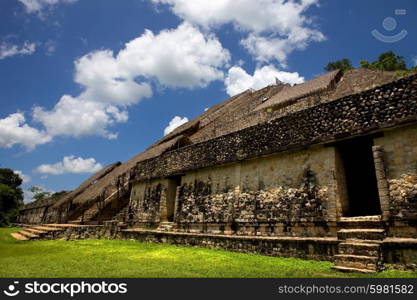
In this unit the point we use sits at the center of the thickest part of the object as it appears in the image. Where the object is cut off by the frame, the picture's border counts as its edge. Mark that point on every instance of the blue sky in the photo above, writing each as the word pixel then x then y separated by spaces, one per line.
pixel 85 83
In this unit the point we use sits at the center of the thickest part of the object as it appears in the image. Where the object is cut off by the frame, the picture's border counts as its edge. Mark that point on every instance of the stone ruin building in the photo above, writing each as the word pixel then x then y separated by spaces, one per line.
pixel 322 170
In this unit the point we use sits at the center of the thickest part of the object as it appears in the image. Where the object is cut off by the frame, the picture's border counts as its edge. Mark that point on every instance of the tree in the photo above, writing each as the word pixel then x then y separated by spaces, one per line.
pixel 58 194
pixel 387 61
pixel 343 64
pixel 11 196
pixel 39 193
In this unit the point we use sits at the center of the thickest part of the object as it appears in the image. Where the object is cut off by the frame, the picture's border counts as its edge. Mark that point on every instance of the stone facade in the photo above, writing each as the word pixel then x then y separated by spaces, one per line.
pixel 145 201
pixel 43 214
pixel 284 186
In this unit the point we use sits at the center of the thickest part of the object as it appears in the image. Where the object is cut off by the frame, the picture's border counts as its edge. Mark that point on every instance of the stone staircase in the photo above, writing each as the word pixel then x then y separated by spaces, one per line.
pixel 34 232
pixel 360 246
pixel 86 216
pixel 121 215
pixel 89 215
pixel 166 226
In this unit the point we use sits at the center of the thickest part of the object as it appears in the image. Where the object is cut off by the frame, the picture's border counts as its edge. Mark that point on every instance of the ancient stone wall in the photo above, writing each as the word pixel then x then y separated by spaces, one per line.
pixel 44 214
pixel 307 248
pixel 370 111
pixel 399 148
pixel 264 196
pixel 32 216
pixel 145 201
pixel 290 193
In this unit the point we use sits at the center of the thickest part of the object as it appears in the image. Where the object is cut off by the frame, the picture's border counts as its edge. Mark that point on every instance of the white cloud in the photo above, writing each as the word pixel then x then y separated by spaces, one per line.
pixel 181 57
pixel 415 61
pixel 8 50
pixel 75 117
pixel 25 178
pixel 279 23
pixel 14 130
pixel 248 15
pixel 70 164
pixel 28 195
pixel 174 123
pixel 238 80
pixel 35 6
pixel 50 47
pixel 265 49
pixel 106 81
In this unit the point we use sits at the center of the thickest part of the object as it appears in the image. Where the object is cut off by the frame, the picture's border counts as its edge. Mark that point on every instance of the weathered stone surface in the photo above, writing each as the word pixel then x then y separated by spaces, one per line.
pixel 403 194
pixel 383 107
pixel 279 187
pixel 145 202
pixel 197 204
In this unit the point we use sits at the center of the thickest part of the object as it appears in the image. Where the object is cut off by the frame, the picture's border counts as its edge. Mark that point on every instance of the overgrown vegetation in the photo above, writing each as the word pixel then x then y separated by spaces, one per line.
pixel 387 61
pixel 119 258
pixel 343 64
pixel 40 194
pixel 11 196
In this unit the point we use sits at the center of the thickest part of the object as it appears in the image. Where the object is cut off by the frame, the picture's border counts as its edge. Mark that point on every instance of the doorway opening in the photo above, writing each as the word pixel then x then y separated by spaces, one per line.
pixel 173 183
pixel 360 177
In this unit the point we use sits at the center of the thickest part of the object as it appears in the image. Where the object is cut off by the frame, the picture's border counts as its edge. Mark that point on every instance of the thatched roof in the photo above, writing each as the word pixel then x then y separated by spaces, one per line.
pixel 44 202
pixel 358 80
pixel 93 180
pixel 106 180
pixel 292 93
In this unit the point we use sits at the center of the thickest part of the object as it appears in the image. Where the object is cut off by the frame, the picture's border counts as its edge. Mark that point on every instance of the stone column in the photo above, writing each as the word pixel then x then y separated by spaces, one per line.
pixel 163 206
pixel 383 189
pixel 177 194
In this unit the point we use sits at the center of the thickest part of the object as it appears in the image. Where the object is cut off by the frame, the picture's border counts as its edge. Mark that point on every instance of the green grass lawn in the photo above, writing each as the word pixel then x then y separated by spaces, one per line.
pixel 118 258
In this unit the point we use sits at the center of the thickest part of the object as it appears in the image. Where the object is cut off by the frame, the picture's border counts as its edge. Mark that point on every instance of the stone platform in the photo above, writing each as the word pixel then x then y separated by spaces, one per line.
pixel 401 253
pixel 317 248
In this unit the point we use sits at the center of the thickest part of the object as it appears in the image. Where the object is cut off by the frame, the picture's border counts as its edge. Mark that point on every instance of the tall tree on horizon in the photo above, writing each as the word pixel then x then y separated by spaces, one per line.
pixel 11 195
pixel 387 61
pixel 343 64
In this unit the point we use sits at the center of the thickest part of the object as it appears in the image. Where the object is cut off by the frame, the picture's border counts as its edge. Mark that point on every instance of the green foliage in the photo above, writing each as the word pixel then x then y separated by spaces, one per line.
pixel 39 193
pixel 387 61
pixel 11 196
pixel 343 64
pixel 8 177
pixel 122 258
pixel 58 194
pixel 364 64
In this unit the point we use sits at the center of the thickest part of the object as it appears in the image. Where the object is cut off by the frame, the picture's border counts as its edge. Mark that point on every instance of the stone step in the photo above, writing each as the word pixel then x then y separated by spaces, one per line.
pixel 63 226
pixel 46 228
pixel 361 234
pixel 25 225
pixel 166 226
pixel 352 224
pixel 376 218
pixel 35 231
pixel 28 234
pixel 357 247
pixel 166 223
pixel 19 237
pixel 352 270
pixel 75 222
pixel 357 261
